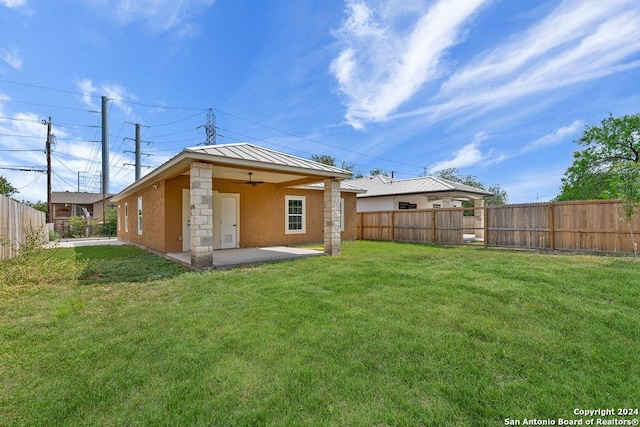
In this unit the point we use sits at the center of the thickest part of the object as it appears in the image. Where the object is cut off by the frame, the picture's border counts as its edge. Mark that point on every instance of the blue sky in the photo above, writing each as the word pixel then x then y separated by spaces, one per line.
pixel 497 89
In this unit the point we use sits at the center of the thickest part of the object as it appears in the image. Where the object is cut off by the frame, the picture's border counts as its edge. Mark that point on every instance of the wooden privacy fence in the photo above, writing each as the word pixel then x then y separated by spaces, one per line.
pixel 589 226
pixel 424 225
pixel 18 222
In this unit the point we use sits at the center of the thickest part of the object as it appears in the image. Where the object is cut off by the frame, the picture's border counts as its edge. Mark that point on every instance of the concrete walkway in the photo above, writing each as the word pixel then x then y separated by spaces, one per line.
pixel 230 258
pixel 225 258
pixel 89 241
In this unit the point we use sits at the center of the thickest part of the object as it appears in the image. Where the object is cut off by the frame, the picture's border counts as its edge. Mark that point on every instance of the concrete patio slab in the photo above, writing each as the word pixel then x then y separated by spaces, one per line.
pixel 230 258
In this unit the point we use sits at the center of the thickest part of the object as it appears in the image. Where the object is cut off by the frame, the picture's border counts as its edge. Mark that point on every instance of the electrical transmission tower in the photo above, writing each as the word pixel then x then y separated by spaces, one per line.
pixel 210 128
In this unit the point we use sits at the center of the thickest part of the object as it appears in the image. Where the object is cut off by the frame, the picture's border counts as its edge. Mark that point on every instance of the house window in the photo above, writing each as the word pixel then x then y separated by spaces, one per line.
pixel 126 217
pixel 139 215
pixel 295 215
pixel 341 214
pixel 407 205
pixel 62 212
pixel 118 218
pixel 437 205
pixel 80 210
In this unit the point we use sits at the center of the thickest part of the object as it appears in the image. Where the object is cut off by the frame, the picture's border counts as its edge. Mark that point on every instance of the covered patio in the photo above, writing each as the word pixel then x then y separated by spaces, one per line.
pixel 231 258
pixel 209 201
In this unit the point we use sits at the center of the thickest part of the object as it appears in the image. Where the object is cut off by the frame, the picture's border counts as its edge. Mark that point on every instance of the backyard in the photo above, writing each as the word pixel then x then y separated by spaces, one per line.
pixel 384 334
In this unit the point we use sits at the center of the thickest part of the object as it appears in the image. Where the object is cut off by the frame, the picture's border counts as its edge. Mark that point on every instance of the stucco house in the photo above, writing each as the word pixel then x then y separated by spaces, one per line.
pixel 66 204
pixel 428 192
pixel 386 194
pixel 217 197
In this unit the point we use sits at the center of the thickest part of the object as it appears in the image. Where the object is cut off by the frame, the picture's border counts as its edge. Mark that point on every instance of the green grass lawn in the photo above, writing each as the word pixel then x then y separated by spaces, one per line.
pixel 385 334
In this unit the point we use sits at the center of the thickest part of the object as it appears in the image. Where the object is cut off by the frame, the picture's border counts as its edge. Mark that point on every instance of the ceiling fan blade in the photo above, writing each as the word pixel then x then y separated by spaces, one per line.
pixel 250 182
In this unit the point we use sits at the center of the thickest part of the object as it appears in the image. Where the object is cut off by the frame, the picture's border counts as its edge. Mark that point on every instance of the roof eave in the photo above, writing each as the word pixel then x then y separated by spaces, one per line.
pixel 186 157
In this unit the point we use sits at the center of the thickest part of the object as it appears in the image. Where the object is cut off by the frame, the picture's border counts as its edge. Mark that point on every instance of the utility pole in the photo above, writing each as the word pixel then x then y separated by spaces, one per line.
pixel 210 128
pixel 79 179
pixel 137 151
pixel 105 157
pixel 105 147
pixel 48 151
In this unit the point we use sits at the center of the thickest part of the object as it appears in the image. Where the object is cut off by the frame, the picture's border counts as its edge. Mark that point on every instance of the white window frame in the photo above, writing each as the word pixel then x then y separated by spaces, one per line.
pixel 140 215
pixel 118 218
pixel 287 215
pixel 126 217
pixel 341 214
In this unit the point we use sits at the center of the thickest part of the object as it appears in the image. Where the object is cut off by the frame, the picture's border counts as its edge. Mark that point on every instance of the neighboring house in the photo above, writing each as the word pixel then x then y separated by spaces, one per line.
pixel 236 195
pixel 65 204
pixel 389 194
pixel 386 194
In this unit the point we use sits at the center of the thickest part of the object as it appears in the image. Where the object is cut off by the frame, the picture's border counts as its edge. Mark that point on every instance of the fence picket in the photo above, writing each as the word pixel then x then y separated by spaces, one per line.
pixel 17 220
pixel 588 226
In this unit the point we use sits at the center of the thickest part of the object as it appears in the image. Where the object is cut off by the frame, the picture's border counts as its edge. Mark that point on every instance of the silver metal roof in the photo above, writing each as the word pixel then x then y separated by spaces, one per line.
pixel 250 152
pixel 234 161
pixel 344 186
pixel 383 186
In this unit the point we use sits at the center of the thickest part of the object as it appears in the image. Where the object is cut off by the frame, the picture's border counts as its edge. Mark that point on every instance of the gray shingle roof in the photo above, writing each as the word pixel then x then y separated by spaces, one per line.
pixel 384 186
pixel 77 198
pixel 250 152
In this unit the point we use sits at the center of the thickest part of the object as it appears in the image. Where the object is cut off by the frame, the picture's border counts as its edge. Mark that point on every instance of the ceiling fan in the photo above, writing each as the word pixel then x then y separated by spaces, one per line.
pixel 250 182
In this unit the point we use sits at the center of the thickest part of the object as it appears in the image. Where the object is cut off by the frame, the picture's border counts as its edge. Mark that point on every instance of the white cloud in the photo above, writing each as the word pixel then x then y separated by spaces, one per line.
pixel 380 67
pixel 468 155
pixel 12 57
pixel 13 3
pixel 555 137
pixel 160 15
pixel 88 89
pixel 579 41
pixel 528 187
pixel 115 92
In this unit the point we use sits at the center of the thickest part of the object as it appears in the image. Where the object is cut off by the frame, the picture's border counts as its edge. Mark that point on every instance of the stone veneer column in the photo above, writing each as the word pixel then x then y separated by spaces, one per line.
pixel 332 216
pixel 201 184
pixel 479 218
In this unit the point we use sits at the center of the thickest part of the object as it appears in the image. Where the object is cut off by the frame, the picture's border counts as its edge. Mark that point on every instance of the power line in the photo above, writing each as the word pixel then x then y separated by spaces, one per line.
pixel 177 121
pixel 24 168
pixel 201 109
pixel 43 105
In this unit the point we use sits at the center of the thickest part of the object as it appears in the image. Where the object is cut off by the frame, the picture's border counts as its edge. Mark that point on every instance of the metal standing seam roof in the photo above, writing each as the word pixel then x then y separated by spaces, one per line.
pixel 384 186
pixel 250 152
pixel 344 186
pixel 245 154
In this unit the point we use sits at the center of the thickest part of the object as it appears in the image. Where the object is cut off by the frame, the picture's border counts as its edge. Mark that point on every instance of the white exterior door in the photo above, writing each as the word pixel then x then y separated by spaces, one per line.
pixel 186 220
pixel 229 221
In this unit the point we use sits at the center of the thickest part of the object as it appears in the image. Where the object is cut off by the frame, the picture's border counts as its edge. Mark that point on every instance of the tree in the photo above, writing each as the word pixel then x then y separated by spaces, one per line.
pixel 6 188
pixel 110 221
pixel 608 167
pixel 374 172
pixel 612 152
pixel 331 161
pixel 499 194
pixel 324 159
pixel 39 205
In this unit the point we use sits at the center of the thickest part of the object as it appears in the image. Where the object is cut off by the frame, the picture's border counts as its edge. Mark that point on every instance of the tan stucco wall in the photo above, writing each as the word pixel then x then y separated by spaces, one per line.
pixel 262 215
pixel 173 209
pixel 153 218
